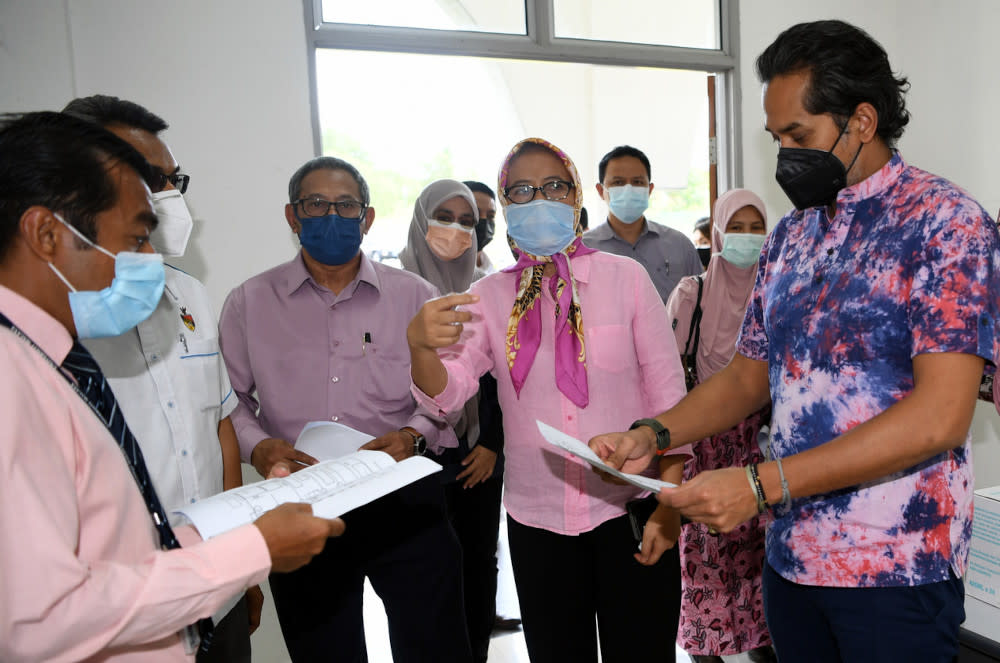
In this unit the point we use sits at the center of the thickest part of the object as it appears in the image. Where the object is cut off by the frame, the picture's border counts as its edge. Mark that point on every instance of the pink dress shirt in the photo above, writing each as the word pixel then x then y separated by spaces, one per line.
pixel 633 371
pixel 82 577
pixel 300 353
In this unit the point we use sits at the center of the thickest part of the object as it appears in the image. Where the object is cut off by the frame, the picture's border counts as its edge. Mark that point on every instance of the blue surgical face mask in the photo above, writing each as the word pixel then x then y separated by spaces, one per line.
pixel 331 239
pixel 541 227
pixel 742 249
pixel 628 202
pixel 132 296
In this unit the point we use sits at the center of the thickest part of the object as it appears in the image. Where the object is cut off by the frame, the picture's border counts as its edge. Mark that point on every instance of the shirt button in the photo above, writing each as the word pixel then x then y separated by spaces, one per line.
pixel 154 357
pixel 170 403
pixel 193 500
pixel 184 452
pixel 829 252
pixel 336 343
pixel 334 418
pixel 334 379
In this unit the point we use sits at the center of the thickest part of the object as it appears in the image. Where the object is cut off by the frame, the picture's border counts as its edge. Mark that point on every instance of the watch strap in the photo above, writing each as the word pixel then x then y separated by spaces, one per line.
pixel 419 441
pixel 662 433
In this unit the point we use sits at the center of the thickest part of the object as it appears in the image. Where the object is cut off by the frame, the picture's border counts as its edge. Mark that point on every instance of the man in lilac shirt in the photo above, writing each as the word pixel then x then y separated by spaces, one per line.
pixel 323 337
pixel 81 567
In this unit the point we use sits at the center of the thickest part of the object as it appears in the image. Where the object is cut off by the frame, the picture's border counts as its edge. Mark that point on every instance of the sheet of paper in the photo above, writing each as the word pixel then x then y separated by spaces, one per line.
pixel 577 448
pixel 333 487
pixel 326 440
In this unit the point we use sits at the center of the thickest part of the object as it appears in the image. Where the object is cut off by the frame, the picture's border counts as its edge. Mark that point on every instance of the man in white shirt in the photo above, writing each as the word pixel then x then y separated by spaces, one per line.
pixel 167 373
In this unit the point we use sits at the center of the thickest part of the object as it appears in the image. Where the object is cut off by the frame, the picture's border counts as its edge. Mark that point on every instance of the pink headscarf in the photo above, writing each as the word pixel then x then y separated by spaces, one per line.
pixel 724 297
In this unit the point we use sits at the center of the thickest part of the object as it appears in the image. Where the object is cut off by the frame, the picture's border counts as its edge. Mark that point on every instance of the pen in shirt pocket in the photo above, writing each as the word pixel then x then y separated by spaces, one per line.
pixel 365 342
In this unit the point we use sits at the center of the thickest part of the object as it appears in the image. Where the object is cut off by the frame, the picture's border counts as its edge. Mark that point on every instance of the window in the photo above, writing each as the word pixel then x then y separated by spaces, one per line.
pixel 505 16
pixel 687 24
pixel 426 98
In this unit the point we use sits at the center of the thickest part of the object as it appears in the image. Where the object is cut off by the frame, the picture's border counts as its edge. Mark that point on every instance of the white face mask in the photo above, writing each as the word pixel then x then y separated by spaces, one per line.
pixel 171 235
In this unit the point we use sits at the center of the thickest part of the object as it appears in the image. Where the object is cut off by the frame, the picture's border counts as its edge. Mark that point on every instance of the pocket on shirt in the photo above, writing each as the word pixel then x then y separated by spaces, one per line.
pixel 202 365
pixel 610 347
pixel 387 384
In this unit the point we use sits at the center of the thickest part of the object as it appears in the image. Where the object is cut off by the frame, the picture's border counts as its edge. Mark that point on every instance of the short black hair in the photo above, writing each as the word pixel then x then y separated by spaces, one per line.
pixel 846 67
pixel 479 187
pixel 623 151
pixel 584 219
pixel 326 163
pixel 60 162
pixel 703 225
pixel 106 110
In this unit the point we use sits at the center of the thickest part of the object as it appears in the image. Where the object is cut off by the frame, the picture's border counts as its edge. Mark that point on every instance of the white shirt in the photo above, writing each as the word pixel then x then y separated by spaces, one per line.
pixel 172 385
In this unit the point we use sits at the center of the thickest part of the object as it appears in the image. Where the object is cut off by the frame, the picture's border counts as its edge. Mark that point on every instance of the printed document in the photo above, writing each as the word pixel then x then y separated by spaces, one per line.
pixel 333 487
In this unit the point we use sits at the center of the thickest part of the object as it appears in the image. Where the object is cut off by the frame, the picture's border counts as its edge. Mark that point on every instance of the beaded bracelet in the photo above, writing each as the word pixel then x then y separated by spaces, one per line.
pixel 758 489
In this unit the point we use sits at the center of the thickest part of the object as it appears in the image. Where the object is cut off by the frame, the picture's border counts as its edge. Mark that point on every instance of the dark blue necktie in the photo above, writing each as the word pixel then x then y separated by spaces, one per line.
pixel 94 387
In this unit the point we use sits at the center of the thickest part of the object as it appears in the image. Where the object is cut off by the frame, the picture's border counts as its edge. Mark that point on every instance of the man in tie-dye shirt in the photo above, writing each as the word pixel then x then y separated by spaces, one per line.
pixel 874 314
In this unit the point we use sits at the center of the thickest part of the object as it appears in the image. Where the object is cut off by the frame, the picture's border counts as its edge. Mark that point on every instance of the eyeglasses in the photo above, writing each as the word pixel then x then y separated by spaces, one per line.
pixel 314 207
pixel 179 180
pixel 523 193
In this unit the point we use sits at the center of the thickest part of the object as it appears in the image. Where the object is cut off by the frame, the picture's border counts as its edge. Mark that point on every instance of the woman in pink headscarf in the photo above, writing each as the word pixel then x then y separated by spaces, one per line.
pixel 577 339
pixel 721 605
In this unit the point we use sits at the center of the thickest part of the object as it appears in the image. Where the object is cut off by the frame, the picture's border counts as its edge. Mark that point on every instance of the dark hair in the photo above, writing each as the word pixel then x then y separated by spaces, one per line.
pixel 60 162
pixel 326 163
pixel 702 225
pixel 584 219
pixel 846 67
pixel 622 151
pixel 107 110
pixel 479 187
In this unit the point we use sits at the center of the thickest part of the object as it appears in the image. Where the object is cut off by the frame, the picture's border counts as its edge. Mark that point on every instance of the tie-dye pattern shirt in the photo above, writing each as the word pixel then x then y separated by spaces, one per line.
pixel 908 265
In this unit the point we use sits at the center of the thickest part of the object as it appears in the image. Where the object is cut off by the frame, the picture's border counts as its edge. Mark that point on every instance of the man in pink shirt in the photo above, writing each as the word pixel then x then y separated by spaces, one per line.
pixel 83 564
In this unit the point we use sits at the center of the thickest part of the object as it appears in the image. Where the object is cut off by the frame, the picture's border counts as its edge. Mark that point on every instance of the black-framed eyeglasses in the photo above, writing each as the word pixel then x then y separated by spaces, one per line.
pixel 316 207
pixel 179 180
pixel 523 193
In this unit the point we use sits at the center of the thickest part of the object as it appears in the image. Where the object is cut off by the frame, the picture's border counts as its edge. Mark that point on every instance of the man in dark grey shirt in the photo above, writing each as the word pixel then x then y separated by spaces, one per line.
pixel 667 254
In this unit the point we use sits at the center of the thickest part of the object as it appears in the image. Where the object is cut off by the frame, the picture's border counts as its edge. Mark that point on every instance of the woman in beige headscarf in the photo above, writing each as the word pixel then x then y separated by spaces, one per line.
pixel 441 247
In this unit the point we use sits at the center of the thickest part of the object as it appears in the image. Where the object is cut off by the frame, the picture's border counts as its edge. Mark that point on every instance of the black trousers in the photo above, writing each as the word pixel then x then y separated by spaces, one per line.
pixel 564 581
pixel 231 640
pixel 405 546
pixel 475 517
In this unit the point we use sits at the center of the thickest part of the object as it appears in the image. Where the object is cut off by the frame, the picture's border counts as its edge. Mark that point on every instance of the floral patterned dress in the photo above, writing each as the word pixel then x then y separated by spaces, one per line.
pixel 722 609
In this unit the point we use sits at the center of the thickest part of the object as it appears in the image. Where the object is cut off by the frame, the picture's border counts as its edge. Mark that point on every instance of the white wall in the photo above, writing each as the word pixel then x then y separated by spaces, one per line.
pixel 229 76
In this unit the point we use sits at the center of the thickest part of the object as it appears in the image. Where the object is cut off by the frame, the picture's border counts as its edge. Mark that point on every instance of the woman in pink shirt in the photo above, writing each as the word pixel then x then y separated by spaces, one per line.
pixel 577 339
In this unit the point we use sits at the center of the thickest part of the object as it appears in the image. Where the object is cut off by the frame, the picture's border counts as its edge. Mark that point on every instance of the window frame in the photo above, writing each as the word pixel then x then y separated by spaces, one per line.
pixel 540 43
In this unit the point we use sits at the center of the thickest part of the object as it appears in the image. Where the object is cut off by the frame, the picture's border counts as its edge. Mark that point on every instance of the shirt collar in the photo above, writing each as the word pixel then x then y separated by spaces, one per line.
pixel 605 231
pixel 47 332
pixel 876 183
pixel 296 275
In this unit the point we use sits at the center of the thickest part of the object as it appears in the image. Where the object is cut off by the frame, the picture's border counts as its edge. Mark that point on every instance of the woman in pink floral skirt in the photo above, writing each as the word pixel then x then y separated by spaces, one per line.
pixel 722 609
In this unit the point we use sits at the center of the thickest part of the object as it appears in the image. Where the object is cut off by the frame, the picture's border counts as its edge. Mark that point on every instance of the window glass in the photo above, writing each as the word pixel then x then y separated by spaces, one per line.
pixel 685 23
pixel 405 120
pixel 504 16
